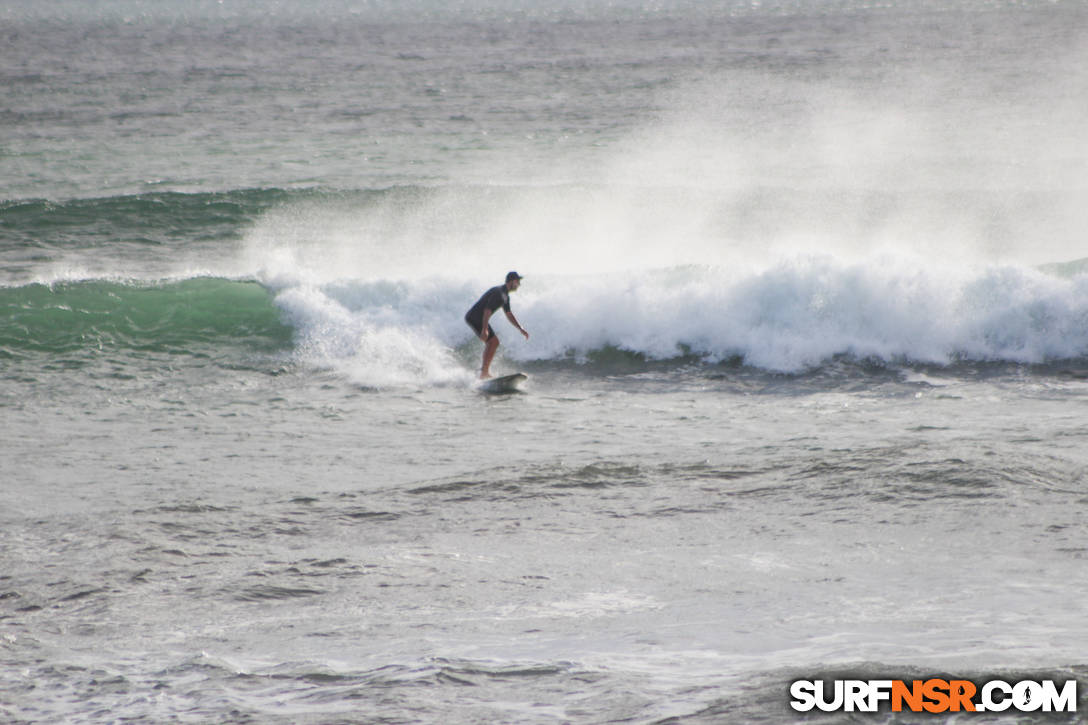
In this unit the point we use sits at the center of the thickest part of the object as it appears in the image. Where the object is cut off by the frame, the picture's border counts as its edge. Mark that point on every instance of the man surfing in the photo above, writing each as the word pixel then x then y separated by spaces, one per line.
pixel 479 318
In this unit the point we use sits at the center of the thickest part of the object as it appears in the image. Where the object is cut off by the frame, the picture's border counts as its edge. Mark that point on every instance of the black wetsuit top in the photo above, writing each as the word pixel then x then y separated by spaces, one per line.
pixel 493 299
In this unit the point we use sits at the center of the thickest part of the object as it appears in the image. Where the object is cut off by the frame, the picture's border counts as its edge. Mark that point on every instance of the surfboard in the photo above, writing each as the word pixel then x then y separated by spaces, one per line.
pixel 504 384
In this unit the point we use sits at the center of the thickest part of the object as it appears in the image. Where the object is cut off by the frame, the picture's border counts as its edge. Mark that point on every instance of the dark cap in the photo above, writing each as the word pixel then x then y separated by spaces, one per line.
pixel 512 275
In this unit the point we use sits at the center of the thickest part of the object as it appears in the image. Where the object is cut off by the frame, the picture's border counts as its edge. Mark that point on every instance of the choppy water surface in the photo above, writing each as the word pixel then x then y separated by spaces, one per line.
pixel 616 549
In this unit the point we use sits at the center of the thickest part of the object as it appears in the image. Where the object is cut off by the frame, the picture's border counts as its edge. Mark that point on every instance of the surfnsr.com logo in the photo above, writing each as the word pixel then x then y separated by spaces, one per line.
pixel 933 695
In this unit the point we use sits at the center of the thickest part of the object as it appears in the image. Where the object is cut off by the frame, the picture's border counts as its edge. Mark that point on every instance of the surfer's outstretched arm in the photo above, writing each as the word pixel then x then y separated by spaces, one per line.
pixel 515 323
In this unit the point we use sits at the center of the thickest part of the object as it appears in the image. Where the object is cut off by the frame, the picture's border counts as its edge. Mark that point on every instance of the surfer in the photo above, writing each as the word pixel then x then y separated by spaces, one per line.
pixel 479 318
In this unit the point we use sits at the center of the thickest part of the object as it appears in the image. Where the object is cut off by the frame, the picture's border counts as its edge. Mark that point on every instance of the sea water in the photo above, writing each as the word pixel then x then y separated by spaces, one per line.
pixel 808 302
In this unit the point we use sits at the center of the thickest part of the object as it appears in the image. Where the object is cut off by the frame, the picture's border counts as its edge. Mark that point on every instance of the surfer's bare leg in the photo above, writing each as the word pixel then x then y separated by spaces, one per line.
pixel 490 347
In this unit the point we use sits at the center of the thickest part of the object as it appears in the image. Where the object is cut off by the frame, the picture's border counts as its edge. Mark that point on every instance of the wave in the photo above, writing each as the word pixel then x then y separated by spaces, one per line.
pixel 178 235
pixel 147 217
pixel 789 318
pixel 376 285
pixel 373 284
pixel 792 317
pixel 195 316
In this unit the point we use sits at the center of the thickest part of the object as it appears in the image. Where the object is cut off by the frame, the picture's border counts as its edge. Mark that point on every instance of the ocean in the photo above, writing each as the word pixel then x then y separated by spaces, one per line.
pixel 806 283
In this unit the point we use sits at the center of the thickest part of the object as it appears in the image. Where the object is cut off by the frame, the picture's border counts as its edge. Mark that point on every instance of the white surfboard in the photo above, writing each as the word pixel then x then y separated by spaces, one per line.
pixel 504 384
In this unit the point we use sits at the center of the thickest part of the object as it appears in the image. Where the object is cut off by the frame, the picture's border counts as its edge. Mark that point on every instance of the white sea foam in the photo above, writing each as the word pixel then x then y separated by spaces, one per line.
pixel 370 341
pixel 790 316
pixel 377 286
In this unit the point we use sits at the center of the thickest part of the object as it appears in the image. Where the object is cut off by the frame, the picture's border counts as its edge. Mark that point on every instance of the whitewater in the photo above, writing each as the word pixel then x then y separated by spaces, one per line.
pixel 807 288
